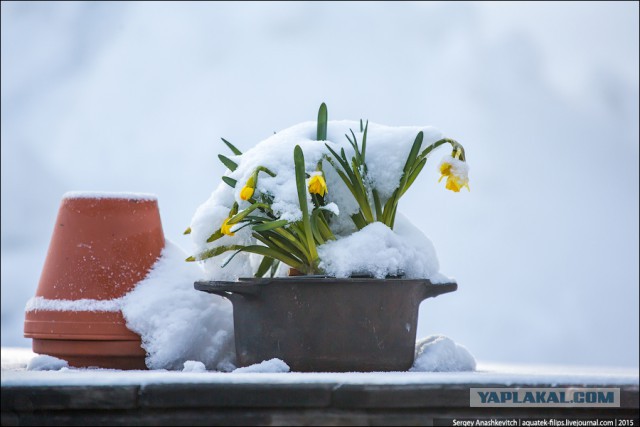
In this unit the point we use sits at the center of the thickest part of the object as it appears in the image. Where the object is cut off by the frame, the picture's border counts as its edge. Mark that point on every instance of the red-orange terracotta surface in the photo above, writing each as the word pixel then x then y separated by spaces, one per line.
pixel 101 247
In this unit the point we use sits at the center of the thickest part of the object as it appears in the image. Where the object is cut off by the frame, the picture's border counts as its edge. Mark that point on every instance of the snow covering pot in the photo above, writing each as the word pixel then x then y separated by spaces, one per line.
pixel 103 244
pixel 327 324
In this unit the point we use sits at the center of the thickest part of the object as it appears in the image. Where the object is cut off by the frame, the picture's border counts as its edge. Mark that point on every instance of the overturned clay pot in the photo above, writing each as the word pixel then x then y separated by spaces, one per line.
pixel 103 244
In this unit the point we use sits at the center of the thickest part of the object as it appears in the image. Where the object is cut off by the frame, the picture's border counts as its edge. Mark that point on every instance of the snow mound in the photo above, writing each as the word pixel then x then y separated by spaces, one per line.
pixel 274 366
pixel 438 353
pixel 193 366
pixel 177 323
pixel 46 363
pixel 406 251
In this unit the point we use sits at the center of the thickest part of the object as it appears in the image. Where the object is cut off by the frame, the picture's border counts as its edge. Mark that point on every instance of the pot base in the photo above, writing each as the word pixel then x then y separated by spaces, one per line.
pixel 85 338
pixel 104 354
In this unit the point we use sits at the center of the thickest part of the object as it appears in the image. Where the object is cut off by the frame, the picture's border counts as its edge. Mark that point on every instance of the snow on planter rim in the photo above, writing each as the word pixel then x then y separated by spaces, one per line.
pixel 109 195
pixel 387 151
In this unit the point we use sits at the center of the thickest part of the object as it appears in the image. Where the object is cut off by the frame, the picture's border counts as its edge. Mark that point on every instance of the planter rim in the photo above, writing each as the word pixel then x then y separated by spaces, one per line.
pixel 312 279
pixel 245 287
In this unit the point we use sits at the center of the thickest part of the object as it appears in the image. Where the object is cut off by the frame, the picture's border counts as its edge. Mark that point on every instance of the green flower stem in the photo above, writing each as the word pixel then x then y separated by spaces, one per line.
pixel 239 217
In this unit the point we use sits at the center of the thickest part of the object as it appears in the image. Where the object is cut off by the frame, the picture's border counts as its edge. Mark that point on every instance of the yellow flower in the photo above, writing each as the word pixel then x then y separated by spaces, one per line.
pixel 445 169
pixel 455 183
pixel 317 185
pixel 457 173
pixel 226 228
pixel 246 192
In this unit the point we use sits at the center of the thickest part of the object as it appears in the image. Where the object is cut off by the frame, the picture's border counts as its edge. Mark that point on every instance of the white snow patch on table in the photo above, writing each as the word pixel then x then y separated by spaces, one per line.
pixel 14 362
pixel 108 195
pixel 438 353
pixel 193 366
pixel 267 366
pixel 176 322
pixel 46 363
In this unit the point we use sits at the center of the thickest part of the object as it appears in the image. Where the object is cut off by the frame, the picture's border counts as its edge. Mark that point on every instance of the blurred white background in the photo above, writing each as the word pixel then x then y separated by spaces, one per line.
pixel 135 96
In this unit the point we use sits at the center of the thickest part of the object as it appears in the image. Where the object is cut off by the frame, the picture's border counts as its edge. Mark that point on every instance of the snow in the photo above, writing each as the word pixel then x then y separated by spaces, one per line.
pixel 273 366
pixel 438 353
pixel 406 251
pixel 46 363
pixel 193 366
pixel 15 360
pixel 108 195
pixel 386 154
pixel 41 303
pixel 176 322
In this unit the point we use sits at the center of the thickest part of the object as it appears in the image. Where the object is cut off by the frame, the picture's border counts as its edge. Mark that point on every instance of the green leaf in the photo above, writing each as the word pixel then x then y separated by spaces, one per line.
pixel 298 158
pixel 265 170
pixel 230 181
pixel 187 231
pixel 364 142
pixel 413 175
pixel 322 225
pixel 322 123
pixel 359 221
pixel 210 253
pixel 314 230
pixel 377 204
pixel 230 164
pixel 270 225
pixel 215 236
pixel 413 154
pixel 361 197
pixel 298 241
pixel 275 241
pixel 232 147
pixel 262 250
pixel 265 265
pixel 228 260
pixel 343 163
pixel 274 267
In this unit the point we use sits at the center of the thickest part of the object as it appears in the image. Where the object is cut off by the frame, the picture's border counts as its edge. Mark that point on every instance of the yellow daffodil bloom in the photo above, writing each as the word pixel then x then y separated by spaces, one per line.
pixel 456 171
pixel 317 185
pixel 246 193
pixel 455 183
pixel 445 170
pixel 226 228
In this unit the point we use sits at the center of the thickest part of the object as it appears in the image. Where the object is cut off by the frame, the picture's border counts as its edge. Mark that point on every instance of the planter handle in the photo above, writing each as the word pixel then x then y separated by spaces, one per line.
pixel 229 290
pixel 430 290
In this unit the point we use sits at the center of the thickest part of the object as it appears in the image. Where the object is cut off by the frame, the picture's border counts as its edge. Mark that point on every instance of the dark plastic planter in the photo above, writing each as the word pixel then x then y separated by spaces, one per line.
pixel 319 324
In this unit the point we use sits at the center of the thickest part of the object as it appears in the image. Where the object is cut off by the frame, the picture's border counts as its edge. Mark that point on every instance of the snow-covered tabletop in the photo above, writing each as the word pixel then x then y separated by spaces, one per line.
pixel 15 360
pixel 100 396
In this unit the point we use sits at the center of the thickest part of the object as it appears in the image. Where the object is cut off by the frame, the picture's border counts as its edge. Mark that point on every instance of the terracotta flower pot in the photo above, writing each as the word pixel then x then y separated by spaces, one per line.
pixel 103 244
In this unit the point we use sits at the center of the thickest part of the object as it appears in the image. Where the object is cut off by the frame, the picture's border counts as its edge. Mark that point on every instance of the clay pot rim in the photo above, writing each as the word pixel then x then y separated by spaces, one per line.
pixel 72 195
